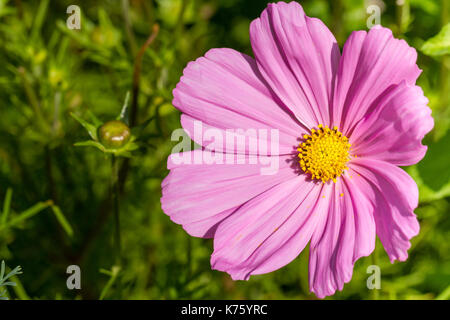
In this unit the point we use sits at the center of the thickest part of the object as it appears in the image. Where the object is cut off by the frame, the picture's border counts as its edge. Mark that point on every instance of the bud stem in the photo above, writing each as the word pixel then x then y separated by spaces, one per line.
pixel 116 206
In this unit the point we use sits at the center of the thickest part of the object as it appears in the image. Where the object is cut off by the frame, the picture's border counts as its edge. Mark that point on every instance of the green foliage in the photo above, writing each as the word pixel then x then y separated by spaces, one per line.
pixel 59 86
pixel 439 44
pixel 112 278
pixel 3 279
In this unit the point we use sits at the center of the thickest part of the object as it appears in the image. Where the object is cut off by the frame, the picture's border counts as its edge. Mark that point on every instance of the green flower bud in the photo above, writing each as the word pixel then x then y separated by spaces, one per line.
pixel 114 134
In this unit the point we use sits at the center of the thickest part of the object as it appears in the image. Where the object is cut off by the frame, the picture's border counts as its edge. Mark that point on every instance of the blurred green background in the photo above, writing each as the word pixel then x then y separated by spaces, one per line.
pixel 56 200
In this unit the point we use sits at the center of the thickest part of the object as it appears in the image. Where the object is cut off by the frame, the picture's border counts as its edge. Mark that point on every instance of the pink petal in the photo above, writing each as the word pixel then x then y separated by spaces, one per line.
pixel 394 195
pixel 347 232
pixel 394 130
pixel 224 90
pixel 198 196
pixel 269 231
pixel 298 56
pixel 371 63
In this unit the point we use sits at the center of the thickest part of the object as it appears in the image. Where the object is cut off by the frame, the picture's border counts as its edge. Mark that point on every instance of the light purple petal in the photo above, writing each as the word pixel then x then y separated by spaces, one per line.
pixel 347 232
pixel 198 196
pixel 224 90
pixel 371 63
pixel 298 56
pixel 394 130
pixel 269 231
pixel 394 195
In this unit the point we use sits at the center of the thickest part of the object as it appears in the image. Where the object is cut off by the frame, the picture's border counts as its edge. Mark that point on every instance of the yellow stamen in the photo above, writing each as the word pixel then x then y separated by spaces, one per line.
pixel 324 153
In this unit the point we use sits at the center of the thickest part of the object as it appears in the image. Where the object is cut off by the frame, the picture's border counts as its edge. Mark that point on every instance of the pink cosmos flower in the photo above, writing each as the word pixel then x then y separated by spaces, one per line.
pixel 346 122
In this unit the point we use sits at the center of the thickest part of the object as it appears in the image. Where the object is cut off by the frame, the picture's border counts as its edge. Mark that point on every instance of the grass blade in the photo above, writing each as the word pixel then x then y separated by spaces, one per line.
pixel 114 273
pixel 445 295
pixel 6 205
pixel 38 207
pixel 62 220
pixel 2 271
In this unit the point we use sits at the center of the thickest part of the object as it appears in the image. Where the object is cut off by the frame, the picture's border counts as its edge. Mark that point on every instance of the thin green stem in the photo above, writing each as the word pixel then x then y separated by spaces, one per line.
pixel 180 26
pixel 337 16
pixel 189 256
pixel 375 291
pixel 128 28
pixel 33 100
pixel 116 206
pixel 56 112
pixel 6 206
pixel 444 74
pixel 403 17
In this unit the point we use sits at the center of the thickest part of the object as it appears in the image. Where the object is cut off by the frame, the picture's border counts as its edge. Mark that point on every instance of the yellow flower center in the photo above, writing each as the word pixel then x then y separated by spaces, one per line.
pixel 324 153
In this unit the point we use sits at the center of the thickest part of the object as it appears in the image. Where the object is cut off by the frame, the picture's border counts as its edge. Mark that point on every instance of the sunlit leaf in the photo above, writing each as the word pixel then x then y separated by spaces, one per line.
pixel 62 220
pixel 90 143
pixel 90 128
pixel 439 44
